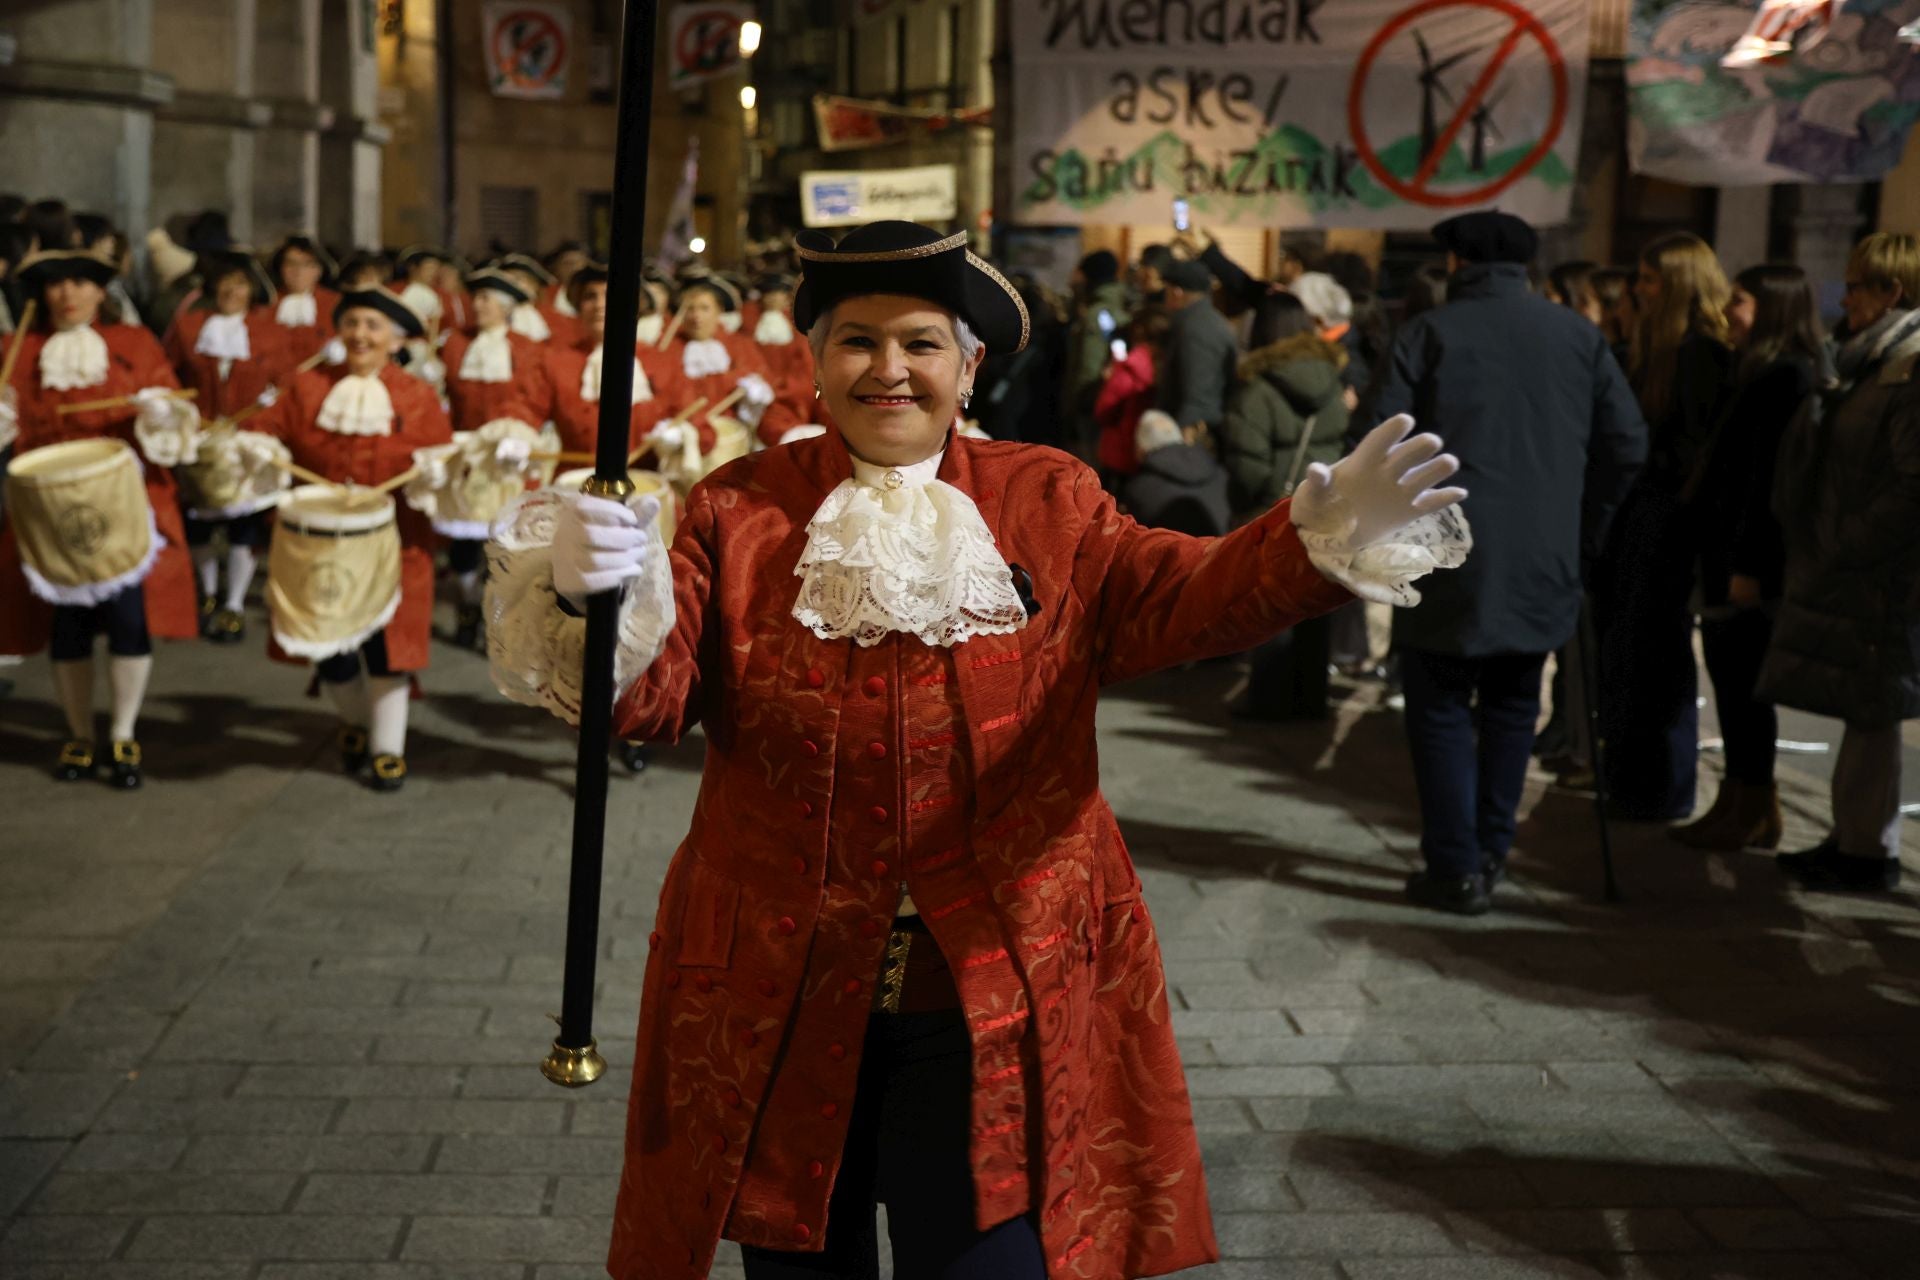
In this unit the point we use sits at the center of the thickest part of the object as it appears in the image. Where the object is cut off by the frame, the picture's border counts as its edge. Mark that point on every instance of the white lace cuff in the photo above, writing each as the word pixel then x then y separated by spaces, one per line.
pixel 754 404
pixel 1384 571
pixel 536 650
pixel 167 428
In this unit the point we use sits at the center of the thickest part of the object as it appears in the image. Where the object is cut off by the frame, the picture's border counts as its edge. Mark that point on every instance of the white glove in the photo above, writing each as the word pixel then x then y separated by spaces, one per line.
pixel 668 435
pixel 270 397
pixel 336 351
pixel 759 392
pixel 600 545
pixel 9 418
pixel 1381 486
pixel 152 399
pixel 512 452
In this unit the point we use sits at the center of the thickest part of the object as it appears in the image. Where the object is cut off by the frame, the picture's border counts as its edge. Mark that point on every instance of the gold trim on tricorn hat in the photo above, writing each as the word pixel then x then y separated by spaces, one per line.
pixel 908 259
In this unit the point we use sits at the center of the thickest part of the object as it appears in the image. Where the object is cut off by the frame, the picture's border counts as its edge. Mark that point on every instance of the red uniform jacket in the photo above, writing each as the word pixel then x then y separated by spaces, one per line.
pixel 747 358
pixel 578 418
pixel 793 373
pixel 303 340
pixel 477 403
pixel 271 360
pixel 418 421
pixel 838 775
pixel 565 328
pixel 134 360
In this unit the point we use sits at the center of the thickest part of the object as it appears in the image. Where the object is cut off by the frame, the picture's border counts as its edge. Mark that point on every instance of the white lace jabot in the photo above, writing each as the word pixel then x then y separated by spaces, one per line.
pixel 773 330
pixel 489 358
pixel 224 337
pixel 527 321
pixel 706 357
pixel 297 311
pixel 895 549
pixel 74 358
pixel 357 406
pixel 590 379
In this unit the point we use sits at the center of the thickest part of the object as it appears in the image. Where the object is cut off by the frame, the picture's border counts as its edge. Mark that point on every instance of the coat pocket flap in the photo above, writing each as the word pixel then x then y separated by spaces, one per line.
pixel 706 931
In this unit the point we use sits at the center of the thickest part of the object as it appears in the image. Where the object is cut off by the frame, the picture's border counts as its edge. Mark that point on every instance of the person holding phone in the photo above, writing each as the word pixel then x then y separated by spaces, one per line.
pixel 1102 310
pixel 1202 352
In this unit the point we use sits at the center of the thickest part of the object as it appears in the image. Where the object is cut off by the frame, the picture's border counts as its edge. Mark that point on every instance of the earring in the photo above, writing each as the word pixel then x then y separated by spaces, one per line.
pixel 818 391
pixel 966 397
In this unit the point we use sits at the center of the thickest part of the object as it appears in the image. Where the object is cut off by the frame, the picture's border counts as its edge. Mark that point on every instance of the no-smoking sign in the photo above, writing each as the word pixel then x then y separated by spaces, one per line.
pixel 528 49
pixel 1455 123
pixel 704 41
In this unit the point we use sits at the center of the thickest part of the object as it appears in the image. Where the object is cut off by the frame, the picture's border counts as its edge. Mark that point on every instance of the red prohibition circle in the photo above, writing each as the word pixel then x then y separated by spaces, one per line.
pixel 1524 24
pixel 696 39
pixel 507 56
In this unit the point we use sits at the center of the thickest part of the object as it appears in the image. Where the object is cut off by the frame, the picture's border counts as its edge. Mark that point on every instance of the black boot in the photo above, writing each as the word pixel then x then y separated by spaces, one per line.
pixel 126 765
pixel 389 773
pixel 1462 895
pixel 466 630
pixel 634 756
pixel 75 762
pixel 228 626
pixel 353 748
pixel 1825 867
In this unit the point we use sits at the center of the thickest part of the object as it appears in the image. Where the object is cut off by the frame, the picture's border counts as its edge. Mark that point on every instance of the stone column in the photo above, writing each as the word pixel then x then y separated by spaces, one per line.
pixel 203 141
pixel 286 162
pixel 1826 222
pixel 80 86
pixel 349 197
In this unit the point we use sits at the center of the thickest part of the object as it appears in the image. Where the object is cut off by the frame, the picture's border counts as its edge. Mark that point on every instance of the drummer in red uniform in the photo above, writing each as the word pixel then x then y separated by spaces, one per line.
pixel 361 422
pixel 230 350
pixel 488 375
pixel 77 353
pixel 786 349
pixel 714 363
pixel 533 318
pixel 300 268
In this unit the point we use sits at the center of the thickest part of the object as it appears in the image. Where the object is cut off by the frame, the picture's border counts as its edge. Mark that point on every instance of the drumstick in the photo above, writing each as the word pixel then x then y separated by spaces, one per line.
pixel 646 446
pixel 311 362
pixel 311 477
pixel 19 340
pixel 725 404
pixel 115 402
pixel 388 486
pixel 672 328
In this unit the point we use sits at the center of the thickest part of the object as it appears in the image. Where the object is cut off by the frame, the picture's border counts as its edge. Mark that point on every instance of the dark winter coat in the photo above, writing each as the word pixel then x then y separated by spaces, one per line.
pixel 1282 388
pixel 1528 397
pixel 1201 356
pixel 1846 642
pixel 1731 493
pixel 1180 487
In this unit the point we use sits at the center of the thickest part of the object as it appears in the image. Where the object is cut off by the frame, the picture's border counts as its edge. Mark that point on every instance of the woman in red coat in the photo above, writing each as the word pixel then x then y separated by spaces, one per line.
pixel 300 268
pixel 78 354
pixel 230 350
pixel 714 363
pixel 902 955
pixel 361 421
pixel 786 349
pixel 488 374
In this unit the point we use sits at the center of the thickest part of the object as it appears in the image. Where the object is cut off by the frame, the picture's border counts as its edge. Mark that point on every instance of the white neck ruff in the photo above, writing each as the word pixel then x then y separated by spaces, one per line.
pixel 297 311
pixel 894 549
pixel 489 357
pixel 424 300
pixel 590 379
pixel 74 358
pixel 773 329
pixel 358 405
pixel 527 321
pixel 224 337
pixel 705 358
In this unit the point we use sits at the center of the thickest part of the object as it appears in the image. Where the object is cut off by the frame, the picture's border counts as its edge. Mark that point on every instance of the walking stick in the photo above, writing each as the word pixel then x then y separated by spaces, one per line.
pixel 575 1057
pixel 1589 682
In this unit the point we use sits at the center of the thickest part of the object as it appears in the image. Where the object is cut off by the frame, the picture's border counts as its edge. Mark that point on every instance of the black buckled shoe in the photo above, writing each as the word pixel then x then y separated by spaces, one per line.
pixel 1462 895
pixel 76 761
pixel 126 765
pixel 353 748
pixel 229 626
pixel 389 773
pixel 1825 867
pixel 466 629
pixel 634 756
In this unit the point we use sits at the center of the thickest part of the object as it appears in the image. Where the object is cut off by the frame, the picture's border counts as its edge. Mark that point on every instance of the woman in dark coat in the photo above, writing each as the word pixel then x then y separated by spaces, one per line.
pixel 1774 325
pixel 1681 370
pixel 1847 640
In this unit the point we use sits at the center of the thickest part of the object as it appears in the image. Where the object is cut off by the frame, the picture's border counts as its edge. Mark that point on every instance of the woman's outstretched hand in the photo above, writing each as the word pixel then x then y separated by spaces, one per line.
pixel 1385 484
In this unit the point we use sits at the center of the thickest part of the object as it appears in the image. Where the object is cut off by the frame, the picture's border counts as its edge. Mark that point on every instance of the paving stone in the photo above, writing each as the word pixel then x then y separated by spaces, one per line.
pixel 1766 1229
pixel 204 1237
pixel 23 1166
pixel 1291 1050
pixel 1249 995
pixel 1329 1235
pixel 124 1153
pixel 82 1239
pixel 1356 1190
pixel 13 1270
pixel 419 1193
pixel 1261 1082
pixel 144 1193
pixel 462 1116
pixel 223 1115
pixel 364 1153
pixel 465 1153
pixel 393 1271
pixel 54 1105
pixel 506 1239
pixel 383 1081
pixel 1501 1079
pixel 1575 1230
pixel 1250 1191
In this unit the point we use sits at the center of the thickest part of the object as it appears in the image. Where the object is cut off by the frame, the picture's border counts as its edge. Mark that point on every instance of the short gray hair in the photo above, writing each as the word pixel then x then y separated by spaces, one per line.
pixel 962 331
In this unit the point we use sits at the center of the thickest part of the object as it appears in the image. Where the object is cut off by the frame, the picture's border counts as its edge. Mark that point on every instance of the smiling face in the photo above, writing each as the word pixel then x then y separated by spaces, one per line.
pixel 892 373
pixel 702 319
pixel 370 339
pixel 74 302
pixel 299 271
pixel 491 308
pixel 593 310
pixel 233 293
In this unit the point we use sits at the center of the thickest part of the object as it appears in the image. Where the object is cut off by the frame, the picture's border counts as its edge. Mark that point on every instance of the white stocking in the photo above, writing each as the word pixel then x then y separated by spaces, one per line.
pixel 74 680
pixel 240 566
pixel 128 676
pixel 206 567
pixel 472 587
pixel 389 695
pixel 350 699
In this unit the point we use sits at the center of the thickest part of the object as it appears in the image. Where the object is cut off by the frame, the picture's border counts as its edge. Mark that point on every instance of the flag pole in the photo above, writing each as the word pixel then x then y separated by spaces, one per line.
pixel 575 1058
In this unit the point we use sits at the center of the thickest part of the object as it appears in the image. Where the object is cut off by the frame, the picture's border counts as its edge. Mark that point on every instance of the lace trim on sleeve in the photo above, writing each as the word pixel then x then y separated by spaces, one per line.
pixel 1384 572
pixel 537 651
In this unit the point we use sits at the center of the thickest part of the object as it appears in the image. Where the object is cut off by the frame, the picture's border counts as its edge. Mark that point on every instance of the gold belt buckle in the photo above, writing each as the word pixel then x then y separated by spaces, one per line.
pixel 893 976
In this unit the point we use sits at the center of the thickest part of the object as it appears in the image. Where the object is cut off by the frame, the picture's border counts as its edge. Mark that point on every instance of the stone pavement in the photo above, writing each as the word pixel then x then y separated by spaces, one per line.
pixel 258 1022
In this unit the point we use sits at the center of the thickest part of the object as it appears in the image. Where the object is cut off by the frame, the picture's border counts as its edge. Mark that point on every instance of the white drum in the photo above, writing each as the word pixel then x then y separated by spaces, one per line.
pixel 333 576
pixel 80 514
pixel 645 482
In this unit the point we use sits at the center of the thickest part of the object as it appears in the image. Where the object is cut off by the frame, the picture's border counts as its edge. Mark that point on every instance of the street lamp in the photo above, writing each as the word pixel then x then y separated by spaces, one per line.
pixel 698 244
pixel 749 39
pixel 749 97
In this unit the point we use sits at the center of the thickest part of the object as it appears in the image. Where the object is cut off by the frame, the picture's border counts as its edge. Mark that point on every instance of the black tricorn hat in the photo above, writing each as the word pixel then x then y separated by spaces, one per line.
pixel 221 262
pixel 916 262
pixel 728 296
pixel 329 269
pixel 38 270
pixel 388 303
pixel 416 252
pixel 499 281
pixel 525 262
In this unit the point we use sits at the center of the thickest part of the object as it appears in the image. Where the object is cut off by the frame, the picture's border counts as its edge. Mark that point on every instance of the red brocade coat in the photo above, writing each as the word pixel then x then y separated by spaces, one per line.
pixel 305 339
pixel 838 775
pixel 135 360
pixel 747 357
pixel 270 361
pixel 475 404
pixel 418 421
pixel 577 418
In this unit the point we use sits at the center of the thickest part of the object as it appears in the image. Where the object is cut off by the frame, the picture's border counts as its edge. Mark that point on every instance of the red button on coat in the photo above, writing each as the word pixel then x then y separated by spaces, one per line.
pixel 673 979
pixel 703 981
pixel 815 1168
pixel 871 929
pixel 719 1143
pixel 806 809
pixel 810 748
pixel 829 1109
pixel 836 1051
pixel 765 986
pixel 801 1231
pixel 785 925
pixel 878 750
pixel 815 677
pixel 879 867
pixel 878 813
pixel 732 1097
pixel 853 987
pixel 653 941
pixel 875 686
pixel 1139 911
pixel 749 1038
pixel 799 865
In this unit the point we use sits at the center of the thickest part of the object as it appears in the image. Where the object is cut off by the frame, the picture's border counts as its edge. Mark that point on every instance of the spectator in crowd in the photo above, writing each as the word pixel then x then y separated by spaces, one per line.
pixel 1331 307
pixel 1571 285
pixel 1201 351
pixel 1846 642
pixel 1780 352
pixel 1682 372
pixel 1613 286
pixel 1129 392
pixel 94 231
pixel 1288 410
pixel 1017 395
pixel 173 279
pixel 1149 273
pixel 50 223
pixel 1101 313
pixel 1549 439
pixel 1178 485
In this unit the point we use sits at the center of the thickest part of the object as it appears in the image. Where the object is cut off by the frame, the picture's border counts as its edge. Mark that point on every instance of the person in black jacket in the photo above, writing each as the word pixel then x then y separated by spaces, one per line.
pixel 1549 439
pixel 1682 371
pixel 1774 325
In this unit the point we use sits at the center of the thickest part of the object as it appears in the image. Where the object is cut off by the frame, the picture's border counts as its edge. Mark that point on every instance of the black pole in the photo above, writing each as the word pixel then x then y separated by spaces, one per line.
pixel 575 1059
pixel 1589 685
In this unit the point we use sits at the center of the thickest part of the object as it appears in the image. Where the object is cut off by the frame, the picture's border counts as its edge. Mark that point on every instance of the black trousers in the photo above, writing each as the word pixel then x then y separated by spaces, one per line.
pixel 1469 790
pixel 343 667
pixel 1735 648
pixel 907 1143
pixel 1288 675
pixel 466 555
pixel 242 531
pixel 122 617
